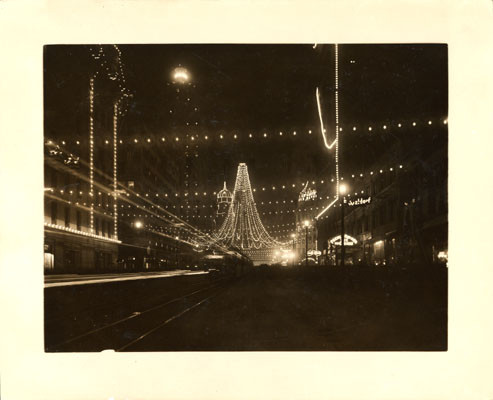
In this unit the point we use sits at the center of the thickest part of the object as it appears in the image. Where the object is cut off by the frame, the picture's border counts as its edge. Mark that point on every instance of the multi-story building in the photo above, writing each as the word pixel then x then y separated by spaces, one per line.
pixel 72 242
pixel 395 212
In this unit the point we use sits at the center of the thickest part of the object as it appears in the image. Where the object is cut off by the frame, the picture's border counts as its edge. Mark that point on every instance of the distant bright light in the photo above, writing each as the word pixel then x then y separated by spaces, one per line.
pixel 306 223
pixel 342 189
pixel 138 224
pixel 181 75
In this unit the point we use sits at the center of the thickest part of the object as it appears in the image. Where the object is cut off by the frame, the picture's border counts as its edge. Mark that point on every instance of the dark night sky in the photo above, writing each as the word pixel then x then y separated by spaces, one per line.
pixel 261 88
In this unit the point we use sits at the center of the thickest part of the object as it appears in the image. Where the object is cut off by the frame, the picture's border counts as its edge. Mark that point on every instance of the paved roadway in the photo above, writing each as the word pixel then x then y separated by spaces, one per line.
pixel 269 309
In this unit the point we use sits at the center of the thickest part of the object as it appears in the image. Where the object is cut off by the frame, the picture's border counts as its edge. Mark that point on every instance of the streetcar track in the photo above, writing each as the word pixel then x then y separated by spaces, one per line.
pixel 101 307
pixel 144 335
pixel 133 315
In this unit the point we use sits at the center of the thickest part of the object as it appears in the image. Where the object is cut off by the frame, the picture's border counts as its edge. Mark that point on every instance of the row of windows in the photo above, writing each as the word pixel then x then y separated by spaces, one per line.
pixel 101 226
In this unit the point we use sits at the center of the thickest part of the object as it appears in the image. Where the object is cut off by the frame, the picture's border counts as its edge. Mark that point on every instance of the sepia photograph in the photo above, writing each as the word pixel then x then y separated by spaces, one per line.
pixel 245 197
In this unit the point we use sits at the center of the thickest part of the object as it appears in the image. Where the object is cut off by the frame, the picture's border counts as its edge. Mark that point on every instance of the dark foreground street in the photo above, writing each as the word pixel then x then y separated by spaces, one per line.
pixel 266 310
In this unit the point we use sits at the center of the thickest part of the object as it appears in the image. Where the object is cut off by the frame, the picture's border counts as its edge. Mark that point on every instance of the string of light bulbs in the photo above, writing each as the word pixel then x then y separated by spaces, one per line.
pixel 199 139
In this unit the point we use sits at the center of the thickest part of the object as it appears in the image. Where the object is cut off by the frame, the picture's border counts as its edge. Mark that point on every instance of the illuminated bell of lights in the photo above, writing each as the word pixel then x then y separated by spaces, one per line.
pixel 242 226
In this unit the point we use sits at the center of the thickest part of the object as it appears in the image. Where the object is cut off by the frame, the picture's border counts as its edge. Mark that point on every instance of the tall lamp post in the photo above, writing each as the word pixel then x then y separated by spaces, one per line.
pixel 342 192
pixel 307 224
pixel 293 236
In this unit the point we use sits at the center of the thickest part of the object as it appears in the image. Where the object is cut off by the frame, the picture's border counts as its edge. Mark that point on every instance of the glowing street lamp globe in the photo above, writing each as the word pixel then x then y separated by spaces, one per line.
pixel 180 75
pixel 138 224
pixel 306 223
pixel 342 189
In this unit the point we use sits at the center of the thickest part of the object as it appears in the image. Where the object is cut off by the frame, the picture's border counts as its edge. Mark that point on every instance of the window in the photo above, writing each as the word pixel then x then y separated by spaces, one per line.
pixel 54 210
pixel 391 210
pixel 96 225
pixel 54 182
pixel 382 215
pixel 103 227
pixel 67 217
pixel 431 203
pixel 79 221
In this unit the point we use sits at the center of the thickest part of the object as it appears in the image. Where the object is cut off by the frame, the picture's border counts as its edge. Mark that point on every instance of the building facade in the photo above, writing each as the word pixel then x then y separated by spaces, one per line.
pixel 397 213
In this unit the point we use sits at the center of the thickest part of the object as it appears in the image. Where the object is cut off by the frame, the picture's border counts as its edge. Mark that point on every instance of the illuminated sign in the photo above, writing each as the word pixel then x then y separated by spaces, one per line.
pixel 360 201
pixel 307 194
pixel 348 240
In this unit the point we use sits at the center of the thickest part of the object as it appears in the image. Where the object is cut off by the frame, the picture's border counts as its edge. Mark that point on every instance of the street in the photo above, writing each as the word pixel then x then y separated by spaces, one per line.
pixel 269 309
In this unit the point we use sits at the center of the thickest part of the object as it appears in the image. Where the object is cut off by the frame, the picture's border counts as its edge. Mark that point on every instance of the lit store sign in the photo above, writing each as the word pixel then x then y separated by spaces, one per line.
pixel 348 240
pixel 307 194
pixel 360 201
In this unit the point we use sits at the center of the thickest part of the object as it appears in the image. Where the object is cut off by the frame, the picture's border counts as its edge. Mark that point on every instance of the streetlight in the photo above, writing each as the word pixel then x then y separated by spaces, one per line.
pixel 307 224
pixel 180 75
pixel 342 192
pixel 293 236
pixel 138 224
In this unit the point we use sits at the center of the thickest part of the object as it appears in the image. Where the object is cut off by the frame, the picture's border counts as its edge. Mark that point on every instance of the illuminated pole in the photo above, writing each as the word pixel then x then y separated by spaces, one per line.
pixel 293 236
pixel 343 248
pixel 91 153
pixel 342 190
pixel 307 224
pixel 115 171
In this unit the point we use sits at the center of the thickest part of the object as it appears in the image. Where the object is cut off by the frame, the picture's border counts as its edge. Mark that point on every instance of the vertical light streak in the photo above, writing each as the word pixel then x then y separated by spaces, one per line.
pixel 336 95
pixel 115 171
pixel 322 128
pixel 91 153
pixel 336 141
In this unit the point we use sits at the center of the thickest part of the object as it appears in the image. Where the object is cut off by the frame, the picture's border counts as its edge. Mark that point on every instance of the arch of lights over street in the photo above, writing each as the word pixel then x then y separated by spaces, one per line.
pixel 242 227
